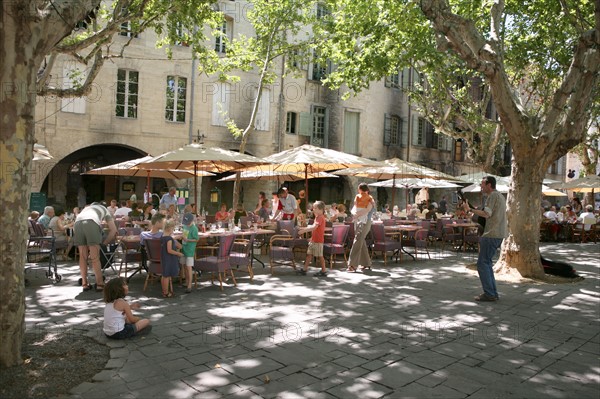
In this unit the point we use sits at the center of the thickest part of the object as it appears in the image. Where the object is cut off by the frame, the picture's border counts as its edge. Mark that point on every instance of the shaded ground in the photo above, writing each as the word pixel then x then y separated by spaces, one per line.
pixel 53 363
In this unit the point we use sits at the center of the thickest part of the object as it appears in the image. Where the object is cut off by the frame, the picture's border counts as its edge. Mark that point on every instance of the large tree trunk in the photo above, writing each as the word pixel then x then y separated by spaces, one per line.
pixel 18 72
pixel 521 249
pixel 27 34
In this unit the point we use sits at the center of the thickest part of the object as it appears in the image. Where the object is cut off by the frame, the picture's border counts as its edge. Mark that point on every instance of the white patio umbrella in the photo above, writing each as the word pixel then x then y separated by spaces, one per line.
pixel 310 159
pixel 415 183
pixel 130 169
pixel 196 157
pixel 395 169
pixel 503 187
pixel 585 184
pixel 276 175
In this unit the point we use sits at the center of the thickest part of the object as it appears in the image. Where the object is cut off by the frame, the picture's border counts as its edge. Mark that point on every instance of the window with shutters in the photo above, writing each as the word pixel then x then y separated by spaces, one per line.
pixel 459 155
pixel 419 132
pixel 262 116
pixel 222 35
pixel 291 122
pixel 391 130
pixel 127 31
pixel 320 126
pixel 220 103
pixel 176 96
pixel 393 80
pixel 351 129
pixel 127 93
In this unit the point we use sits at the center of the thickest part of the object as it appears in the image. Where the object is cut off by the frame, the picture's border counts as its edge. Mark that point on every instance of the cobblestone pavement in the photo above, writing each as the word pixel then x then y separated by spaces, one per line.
pixel 409 329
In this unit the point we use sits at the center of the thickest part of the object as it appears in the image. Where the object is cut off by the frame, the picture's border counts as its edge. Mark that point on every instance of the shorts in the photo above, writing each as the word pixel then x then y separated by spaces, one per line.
pixel 127 332
pixel 315 249
pixel 189 261
pixel 87 232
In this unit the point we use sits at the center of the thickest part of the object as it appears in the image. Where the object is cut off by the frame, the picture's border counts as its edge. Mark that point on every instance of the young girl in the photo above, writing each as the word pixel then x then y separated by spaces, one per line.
pixel 119 321
pixel 169 259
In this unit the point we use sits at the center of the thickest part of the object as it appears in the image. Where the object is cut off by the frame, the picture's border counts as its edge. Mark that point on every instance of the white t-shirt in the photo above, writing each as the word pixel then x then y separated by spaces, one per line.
pixel 123 211
pixel 551 215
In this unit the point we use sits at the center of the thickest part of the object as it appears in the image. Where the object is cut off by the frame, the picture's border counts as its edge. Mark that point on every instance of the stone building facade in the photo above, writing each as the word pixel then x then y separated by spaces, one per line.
pixel 144 103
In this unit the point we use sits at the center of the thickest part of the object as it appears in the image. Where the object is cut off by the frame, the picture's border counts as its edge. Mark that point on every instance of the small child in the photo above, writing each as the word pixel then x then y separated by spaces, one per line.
pixel 119 321
pixel 190 238
pixel 169 259
pixel 315 246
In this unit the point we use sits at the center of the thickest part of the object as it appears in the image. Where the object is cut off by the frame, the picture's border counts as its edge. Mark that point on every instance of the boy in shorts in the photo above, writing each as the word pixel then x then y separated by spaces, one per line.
pixel 315 246
pixel 190 238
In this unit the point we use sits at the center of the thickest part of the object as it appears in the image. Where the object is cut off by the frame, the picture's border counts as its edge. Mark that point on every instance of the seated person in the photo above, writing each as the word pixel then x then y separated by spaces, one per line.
pixel 239 212
pixel 264 213
pixel 589 213
pixel 171 211
pixel 135 213
pixel 430 213
pixel 340 215
pixel 59 227
pixel 222 215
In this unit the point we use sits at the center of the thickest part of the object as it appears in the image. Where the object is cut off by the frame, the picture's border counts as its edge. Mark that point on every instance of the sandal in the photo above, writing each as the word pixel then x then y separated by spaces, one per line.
pixel 86 287
pixel 99 288
pixel 168 295
pixel 320 274
pixel 351 269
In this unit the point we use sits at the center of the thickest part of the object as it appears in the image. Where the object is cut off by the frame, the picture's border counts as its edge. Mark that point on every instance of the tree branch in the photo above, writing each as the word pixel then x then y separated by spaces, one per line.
pixel 81 91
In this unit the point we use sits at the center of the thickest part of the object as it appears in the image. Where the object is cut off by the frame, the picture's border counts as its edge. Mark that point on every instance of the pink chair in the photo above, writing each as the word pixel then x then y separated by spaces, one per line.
pixel 382 243
pixel 337 246
pixel 241 255
pixel 219 264
pixel 152 246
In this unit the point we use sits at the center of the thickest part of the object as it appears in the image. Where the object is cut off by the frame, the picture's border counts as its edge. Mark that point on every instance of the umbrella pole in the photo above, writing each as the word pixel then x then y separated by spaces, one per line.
pixel 196 185
pixel 393 192
pixel 148 185
pixel 306 185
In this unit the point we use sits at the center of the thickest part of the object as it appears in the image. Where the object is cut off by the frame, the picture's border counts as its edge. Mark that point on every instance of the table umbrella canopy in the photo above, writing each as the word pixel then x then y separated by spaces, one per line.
pixel 208 159
pixel 415 183
pixel 478 176
pixel 275 175
pixel 129 169
pixel 584 184
pixel 310 159
pixel 397 168
pixel 502 187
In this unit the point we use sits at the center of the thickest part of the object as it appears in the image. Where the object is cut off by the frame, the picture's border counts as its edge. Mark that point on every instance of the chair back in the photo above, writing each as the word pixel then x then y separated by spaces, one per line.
pixel 421 235
pixel 378 232
pixel 389 222
pixel 225 245
pixel 285 226
pixel 39 229
pixel 425 224
pixel 339 233
pixel 244 222
pixel 152 246
pixel 350 237
pixel 31 228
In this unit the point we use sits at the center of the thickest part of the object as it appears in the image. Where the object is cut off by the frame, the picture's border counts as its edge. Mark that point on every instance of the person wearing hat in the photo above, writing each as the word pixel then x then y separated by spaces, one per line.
pixel 190 238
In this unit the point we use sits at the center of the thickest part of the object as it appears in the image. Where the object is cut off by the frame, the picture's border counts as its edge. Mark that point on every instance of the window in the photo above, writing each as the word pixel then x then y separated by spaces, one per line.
pixel 221 101
pixel 181 34
pixel 351 129
pixel 419 131
pixel 262 116
pixel 291 122
pixel 444 142
pixel 459 155
pixel 176 95
pixel 126 30
pixel 322 11
pixel 391 130
pixel 223 33
pixel 320 126
pixel 317 70
pixel 73 76
pixel 127 93
pixel 393 80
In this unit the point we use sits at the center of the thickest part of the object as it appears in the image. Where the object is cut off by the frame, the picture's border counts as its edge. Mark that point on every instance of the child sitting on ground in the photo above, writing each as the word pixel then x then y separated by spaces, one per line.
pixel 169 257
pixel 119 321
pixel 315 246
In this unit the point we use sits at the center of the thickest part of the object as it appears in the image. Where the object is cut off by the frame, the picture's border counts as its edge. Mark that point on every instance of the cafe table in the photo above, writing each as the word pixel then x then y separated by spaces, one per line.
pixel 399 229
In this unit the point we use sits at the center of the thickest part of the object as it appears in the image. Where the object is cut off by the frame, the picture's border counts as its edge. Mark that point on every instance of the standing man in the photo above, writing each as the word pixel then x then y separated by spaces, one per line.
pixel 88 237
pixel 169 198
pixel 289 205
pixel 133 197
pixel 443 205
pixel 495 230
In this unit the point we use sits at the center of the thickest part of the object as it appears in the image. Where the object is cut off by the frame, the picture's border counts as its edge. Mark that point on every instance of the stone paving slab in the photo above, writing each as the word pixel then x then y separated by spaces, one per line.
pixel 408 329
